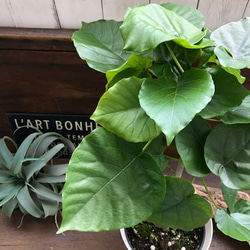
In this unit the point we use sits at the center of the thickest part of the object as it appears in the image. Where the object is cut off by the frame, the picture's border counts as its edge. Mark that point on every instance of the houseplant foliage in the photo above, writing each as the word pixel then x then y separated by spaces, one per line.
pixel 167 76
pixel 30 179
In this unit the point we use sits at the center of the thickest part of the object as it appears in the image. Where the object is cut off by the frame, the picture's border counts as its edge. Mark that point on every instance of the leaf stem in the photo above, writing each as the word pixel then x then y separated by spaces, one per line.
pixel 210 196
pixel 147 145
pixel 173 158
pixel 174 57
pixel 179 169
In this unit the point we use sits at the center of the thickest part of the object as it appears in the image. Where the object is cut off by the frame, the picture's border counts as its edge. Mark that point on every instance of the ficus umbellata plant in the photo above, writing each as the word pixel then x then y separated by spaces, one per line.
pixel 167 77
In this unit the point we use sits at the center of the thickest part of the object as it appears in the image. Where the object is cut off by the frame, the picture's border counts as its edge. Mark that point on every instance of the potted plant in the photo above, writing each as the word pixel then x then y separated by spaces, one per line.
pixel 168 79
pixel 30 179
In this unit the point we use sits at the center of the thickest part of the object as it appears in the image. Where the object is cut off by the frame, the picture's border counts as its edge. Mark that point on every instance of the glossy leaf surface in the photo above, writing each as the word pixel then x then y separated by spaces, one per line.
pixel 236 225
pixel 233 44
pixel 101 45
pixel 240 114
pixel 231 160
pixel 228 93
pixel 191 14
pixel 135 66
pixel 190 145
pixel 148 26
pixel 109 174
pixel 181 208
pixel 119 111
pixel 174 104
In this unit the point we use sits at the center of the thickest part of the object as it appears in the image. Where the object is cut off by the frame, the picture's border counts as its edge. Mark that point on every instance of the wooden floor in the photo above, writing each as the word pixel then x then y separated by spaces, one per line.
pixel 38 234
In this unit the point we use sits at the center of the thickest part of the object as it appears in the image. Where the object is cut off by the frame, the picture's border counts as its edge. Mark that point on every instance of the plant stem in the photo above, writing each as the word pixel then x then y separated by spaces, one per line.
pixel 179 170
pixel 210 196
pixel 174 57
pixel 173 158
pixel 146 146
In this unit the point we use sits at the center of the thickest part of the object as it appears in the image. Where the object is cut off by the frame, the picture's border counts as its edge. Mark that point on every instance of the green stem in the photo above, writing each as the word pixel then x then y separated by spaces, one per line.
pixel 179 170
pixel 147 144
pixel 210 196
pixel 174 57
pixel 173 158
pixel 193 178
pixel 214 120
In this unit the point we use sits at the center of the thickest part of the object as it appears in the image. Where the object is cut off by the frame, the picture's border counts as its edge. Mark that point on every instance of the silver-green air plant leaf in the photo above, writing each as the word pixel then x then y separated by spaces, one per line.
pixel 233 44
pixel 29 179
pixel 101 45
pixel 145 27
pixel 172 105
pixel 110 184
pixel 119 111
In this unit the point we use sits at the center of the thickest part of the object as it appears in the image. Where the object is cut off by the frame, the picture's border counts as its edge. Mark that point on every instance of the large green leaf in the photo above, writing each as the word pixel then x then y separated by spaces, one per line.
pixel 236 225
pixel 233 44
pixel 174 104
pixel 119 111
pixel 240 114
pixel 181 208
pixel 189 13
pixel 135 66
pixel 101 45
pixel 190 145
pixel 110 184
pixel 227 154
pixel 228 93
pixel 145 27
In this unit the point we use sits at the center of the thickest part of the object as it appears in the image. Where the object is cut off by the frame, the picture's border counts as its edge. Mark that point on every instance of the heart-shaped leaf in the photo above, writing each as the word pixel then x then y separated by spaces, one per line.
pixel 236 225
pixel 227 154
pixel 233 50
pixel 110 184
pixel 119 111
pixel 228 93
pixel 145 27
pixel 190 145
pixel 174 104
pixel 101 45
pixel 181 208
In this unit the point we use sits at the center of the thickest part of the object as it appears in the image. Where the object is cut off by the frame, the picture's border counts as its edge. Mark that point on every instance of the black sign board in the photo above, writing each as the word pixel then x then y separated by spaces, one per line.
pixel 73 127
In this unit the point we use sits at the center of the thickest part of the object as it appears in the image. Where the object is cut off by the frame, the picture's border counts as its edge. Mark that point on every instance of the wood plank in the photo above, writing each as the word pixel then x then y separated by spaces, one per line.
pixel 72 13
pixel 46 82
pixel 222 13
pixel 247 11
pixel 34 14
pixel 113 9
pixel 36 39
pixel 40 234
pixel 192 3
pixel 5 17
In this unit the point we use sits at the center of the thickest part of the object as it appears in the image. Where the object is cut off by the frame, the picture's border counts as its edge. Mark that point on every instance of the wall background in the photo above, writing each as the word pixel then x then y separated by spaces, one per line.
pixel 68 14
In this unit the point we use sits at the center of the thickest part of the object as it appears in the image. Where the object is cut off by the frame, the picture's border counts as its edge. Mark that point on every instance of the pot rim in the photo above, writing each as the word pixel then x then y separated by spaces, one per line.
pixel 206 242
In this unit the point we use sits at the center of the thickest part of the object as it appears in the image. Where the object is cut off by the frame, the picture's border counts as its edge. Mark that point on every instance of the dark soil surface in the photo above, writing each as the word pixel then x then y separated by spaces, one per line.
pixel 146 236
